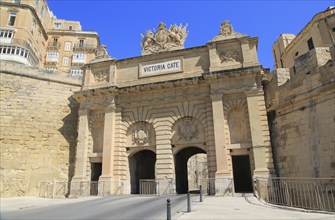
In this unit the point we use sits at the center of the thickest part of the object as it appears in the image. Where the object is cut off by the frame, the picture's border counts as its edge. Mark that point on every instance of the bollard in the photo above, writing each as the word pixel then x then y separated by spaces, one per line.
pixel 188 202
pixel 168 209
pixel 200 194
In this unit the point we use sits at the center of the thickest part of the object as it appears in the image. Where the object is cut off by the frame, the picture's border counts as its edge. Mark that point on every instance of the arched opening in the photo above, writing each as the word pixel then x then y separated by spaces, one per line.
pixel 181 159
pixel 141 166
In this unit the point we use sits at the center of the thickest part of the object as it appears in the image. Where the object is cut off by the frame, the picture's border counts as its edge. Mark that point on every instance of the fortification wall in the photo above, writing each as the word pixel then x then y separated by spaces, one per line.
pixel 302 116
pixel 38 128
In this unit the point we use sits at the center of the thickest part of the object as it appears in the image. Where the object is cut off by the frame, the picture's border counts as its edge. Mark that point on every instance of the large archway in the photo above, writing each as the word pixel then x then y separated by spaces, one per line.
pixel 141 166
pixel 181 159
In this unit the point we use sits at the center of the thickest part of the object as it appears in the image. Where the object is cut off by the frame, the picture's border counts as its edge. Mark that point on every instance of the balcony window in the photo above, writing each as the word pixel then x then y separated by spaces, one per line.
pixel 6 36
pixel 76 72
pixel 11 19
pixel 78 58
pixel 52 56
pixel 51 69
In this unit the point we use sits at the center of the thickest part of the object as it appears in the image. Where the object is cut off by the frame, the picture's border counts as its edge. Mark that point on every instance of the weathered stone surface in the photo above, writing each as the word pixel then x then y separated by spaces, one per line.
pixel 38 128
pixel 302 113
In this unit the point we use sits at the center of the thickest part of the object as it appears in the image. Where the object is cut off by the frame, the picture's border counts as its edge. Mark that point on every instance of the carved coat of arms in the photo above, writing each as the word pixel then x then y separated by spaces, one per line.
pixel 187 130
pixel 164 39
pixel 141 134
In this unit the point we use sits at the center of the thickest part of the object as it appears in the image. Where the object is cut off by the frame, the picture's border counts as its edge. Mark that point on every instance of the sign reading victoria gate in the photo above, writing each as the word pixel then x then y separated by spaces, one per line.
pixel 141 119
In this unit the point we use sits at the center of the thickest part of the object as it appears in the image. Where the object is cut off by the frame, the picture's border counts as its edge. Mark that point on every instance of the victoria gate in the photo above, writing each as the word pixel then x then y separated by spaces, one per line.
pixel 142 119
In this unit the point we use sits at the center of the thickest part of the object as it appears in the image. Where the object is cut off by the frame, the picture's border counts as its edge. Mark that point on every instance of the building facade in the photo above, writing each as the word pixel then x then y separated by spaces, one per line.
pixel 319 32
pixel 32 35
pixel 144 117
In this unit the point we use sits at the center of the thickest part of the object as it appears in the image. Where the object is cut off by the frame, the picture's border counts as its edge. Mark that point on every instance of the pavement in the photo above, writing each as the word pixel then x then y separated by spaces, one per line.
pixel 246 207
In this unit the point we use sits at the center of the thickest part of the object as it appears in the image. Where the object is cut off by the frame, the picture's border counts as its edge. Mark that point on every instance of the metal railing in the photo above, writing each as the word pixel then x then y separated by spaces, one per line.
pixel 156 187
pixel 307 193
pixel 82 188
pixel 218 186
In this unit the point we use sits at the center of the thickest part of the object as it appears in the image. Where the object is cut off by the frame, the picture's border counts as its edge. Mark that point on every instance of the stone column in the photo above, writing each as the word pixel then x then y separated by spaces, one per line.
pixel 81 153
pixel 257 134
pixel 107 174
pixel 219 136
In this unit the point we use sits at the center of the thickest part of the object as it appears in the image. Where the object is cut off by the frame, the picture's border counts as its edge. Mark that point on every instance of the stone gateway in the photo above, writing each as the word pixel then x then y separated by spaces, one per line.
pixel 151 113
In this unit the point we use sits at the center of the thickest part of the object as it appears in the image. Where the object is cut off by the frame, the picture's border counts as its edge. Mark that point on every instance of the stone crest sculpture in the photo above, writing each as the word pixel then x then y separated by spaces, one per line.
pixel 187 130
pixel 227 32
pixel 141 134
pixel 101 52
pixel 164 39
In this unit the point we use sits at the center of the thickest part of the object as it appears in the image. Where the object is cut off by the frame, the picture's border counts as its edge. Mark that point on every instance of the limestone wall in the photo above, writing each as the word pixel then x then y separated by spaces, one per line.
pixel 38 128
pixel 302 115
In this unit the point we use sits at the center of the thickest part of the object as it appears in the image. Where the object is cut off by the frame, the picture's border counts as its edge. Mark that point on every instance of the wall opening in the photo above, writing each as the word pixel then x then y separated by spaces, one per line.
pixel 95 174
pixel 141 166
pixel 242 174
pixel 181 170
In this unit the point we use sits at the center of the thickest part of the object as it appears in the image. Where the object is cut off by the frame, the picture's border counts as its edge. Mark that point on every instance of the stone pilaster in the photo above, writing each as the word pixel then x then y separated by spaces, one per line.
pixel 259 147
pixel 82 145
pixel 108 144
pixel 164 157
pixel 219 136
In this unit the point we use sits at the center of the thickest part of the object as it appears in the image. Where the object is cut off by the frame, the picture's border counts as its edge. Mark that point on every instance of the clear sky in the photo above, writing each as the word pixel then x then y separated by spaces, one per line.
pixel 120 23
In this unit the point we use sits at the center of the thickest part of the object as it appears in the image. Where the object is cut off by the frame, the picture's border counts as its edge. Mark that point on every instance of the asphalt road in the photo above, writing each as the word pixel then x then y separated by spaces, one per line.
pixel 114 207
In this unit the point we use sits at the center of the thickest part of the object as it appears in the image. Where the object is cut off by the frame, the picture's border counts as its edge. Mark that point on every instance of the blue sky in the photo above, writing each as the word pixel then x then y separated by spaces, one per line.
pixel 120 23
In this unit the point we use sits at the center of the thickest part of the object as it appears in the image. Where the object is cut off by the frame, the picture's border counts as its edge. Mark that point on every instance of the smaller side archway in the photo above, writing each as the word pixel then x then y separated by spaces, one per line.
pixel 181 172
pixel 141 166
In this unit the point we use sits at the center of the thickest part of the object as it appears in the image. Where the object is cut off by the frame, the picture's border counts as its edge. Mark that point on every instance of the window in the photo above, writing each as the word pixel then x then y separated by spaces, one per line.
pixel 55 41
pixel 57 25
pixel 334 29
pixel 67 46
pixel 38 36
pixel 65 61
pixel 17 1
pixel 310 44
pixel 6 34
pixel 81 43
pixel 70 27
pixel 37 2
pixel 33 26
pixel 42 10
pixel 11 20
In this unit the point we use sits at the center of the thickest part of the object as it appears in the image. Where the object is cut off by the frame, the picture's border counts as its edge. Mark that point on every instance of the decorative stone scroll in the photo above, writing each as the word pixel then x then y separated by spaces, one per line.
pixel 141 134
pixel 164 39
pixel 227 32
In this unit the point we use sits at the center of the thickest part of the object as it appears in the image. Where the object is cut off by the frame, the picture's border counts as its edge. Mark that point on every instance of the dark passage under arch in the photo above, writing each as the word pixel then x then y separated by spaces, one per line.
pixel 181 159
pixel 141 166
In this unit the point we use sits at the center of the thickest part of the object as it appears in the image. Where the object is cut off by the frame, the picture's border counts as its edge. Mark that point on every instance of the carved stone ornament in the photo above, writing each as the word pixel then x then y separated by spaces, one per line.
pixel 101 52
pixel 187 130
pixel 141 134
pixel 227 32
pixel 164 39
pixel 101 76
pixel 231 56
